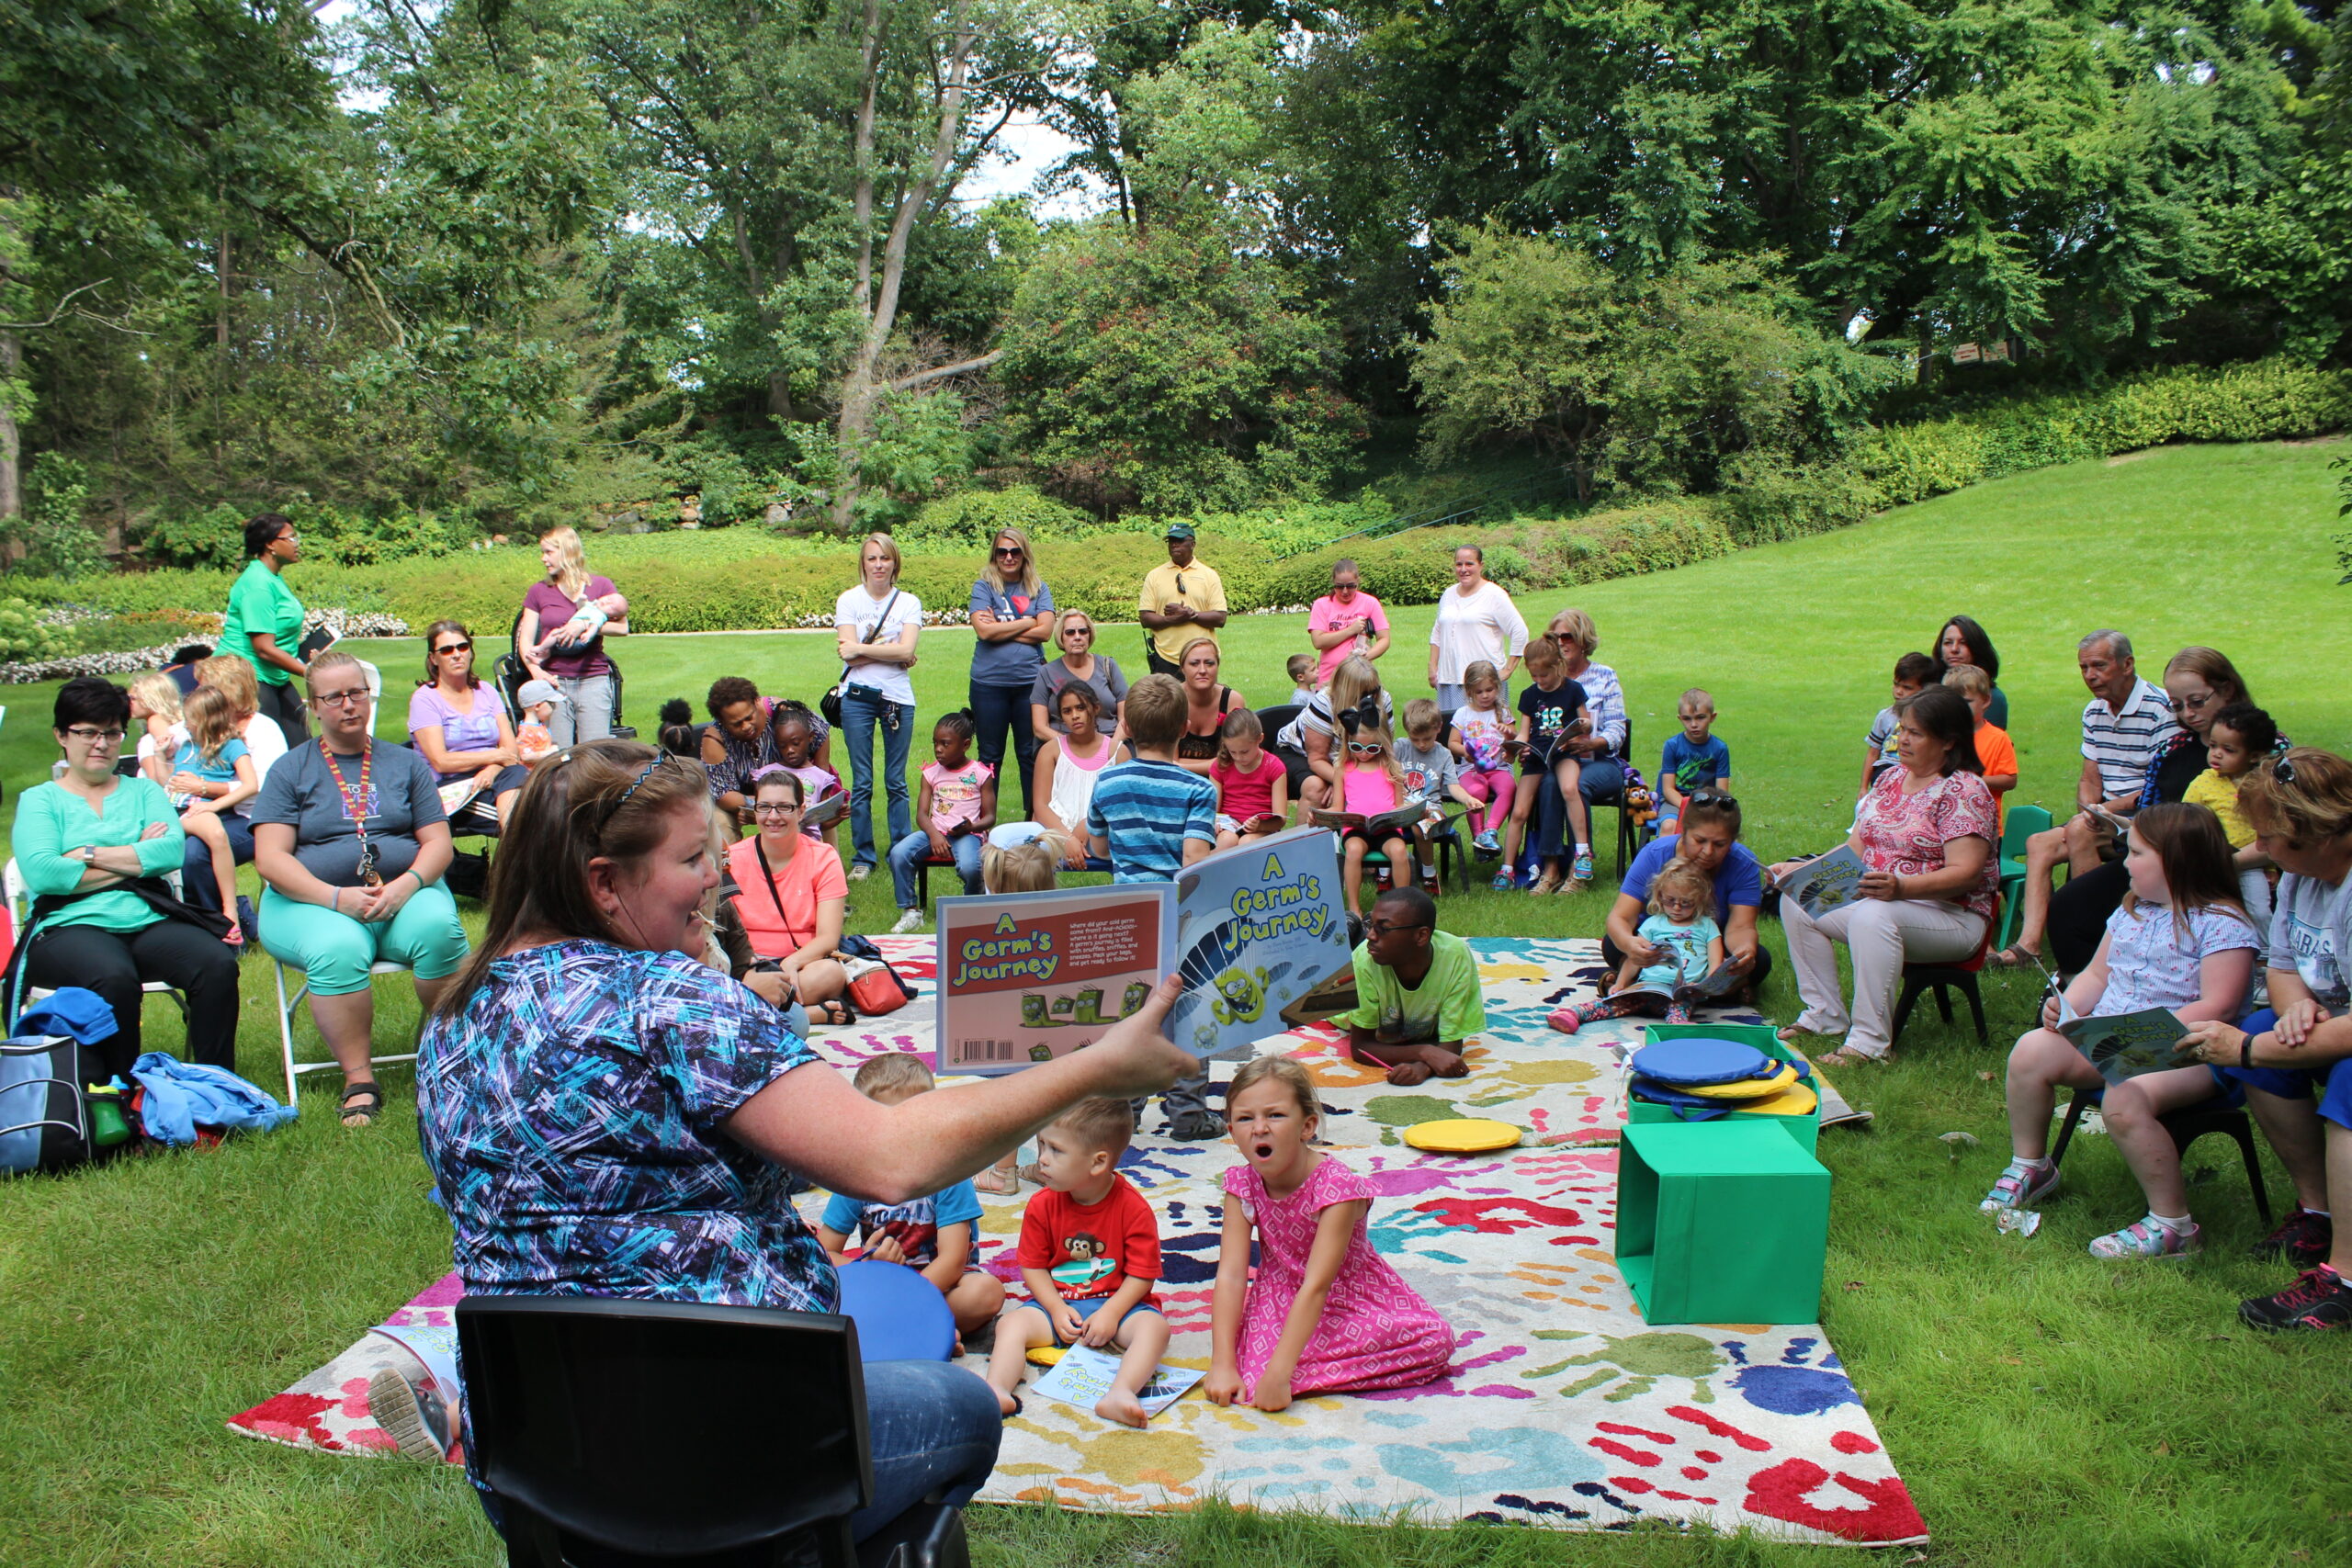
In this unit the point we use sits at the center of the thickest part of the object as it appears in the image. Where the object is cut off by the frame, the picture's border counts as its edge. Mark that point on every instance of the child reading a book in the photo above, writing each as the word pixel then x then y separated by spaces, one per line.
pixel 2240 737
pixel 1481 730
pixel 956 809
pixel 1300 668
pixel 1430 772
pixel 1913 674
pixel 1090 1253
pixel 1370 783
pixel 1252 787
pixel 1326 1313
pixel 938 1236
pixel 1551 707
pixel 1694 759
pixel 1681 922
pixel 1417 993
pixel 1994 747
pixel 2180 942
pixel 211 774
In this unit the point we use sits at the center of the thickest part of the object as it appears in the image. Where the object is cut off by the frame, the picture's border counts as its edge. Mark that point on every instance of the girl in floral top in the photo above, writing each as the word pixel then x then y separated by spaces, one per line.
pixel 1926 831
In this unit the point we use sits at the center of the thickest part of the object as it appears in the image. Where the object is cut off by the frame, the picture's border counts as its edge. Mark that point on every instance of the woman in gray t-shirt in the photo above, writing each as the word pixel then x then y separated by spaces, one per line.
pixel 350 840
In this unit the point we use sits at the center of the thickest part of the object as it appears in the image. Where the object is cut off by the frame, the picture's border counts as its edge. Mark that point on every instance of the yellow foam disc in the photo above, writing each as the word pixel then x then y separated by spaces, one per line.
pixel 1465 1135
pixel 1745 1089
pixel 1045 1355
pixel 1797 1100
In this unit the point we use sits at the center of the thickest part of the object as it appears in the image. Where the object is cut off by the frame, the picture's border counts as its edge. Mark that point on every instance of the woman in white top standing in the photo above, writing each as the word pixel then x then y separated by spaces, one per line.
pixel 1475 620
pixel 874 628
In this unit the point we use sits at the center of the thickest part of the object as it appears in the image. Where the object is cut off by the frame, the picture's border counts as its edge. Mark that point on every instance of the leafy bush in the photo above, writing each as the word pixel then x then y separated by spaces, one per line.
pixel 972 517
pixel 22 638
pixel 57 541
pixel 214 537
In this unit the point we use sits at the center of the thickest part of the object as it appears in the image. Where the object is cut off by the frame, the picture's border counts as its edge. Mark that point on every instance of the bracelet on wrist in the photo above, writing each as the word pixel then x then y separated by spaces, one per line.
pixel 2246 1050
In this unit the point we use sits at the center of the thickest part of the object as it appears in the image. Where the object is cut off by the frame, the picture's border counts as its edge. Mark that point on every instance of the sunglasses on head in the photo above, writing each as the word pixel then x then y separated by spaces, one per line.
pixel 2283 770
pixel 1712 797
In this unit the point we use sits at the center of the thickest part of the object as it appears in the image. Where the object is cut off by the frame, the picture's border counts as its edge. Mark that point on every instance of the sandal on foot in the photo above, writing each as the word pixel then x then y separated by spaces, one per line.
pixel 998 1182
pixel 361 1115
pixel 1847 1057
pixel 2017 955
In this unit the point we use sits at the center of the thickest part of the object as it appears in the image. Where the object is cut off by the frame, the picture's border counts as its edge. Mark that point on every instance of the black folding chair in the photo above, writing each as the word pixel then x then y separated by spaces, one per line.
pixel 615 1434
pixel 2187 1125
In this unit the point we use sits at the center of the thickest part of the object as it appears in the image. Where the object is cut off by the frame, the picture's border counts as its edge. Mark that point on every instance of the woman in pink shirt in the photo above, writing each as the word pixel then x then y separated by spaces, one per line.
pixel 1347 621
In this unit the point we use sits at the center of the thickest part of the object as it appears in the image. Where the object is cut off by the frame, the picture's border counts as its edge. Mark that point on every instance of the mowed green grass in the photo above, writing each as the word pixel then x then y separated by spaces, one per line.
pixel 2043 1406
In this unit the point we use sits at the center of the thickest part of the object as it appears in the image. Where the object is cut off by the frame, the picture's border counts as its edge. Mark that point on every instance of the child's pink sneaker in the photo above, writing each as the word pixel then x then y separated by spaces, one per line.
pixel 1565 1019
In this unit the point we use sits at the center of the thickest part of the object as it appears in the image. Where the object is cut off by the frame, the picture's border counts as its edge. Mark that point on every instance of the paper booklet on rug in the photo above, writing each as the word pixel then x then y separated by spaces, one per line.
pixel 2124 1046
pixel 1257 926
pixel 1826 882
pixel 1083 1376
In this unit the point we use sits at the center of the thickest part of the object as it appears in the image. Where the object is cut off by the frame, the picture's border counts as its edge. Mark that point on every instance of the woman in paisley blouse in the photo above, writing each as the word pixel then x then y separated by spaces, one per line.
pixel 1926 831
pixel 682 1153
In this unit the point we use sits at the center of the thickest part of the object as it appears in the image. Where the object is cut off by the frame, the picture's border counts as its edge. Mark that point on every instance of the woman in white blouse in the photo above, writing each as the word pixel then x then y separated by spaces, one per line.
pixel 1475 620
pixel 875 629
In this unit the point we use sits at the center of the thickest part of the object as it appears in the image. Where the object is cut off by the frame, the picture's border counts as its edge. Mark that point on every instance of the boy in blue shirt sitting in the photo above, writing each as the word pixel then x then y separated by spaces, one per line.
pixel 937 1236
pixel 1696 759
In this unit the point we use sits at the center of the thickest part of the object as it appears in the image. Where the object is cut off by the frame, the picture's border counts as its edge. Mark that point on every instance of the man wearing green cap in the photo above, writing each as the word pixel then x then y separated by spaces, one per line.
pixel 1179 601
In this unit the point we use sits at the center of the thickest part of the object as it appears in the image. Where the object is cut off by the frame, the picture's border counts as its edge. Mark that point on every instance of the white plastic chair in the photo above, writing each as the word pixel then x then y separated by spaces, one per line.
pixel 286 1005
pixel 21 905
pixel 375 691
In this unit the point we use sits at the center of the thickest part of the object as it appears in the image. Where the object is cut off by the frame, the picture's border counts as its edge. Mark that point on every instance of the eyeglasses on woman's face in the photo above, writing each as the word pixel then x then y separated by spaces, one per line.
pixel 1011 551
pixel 351 698
pixel 450 647
pixel 775 809
pixel 89 736
pixel 1080 630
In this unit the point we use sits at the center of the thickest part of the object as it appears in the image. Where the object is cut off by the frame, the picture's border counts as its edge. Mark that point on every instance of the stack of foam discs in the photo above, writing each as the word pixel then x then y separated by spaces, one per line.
pixel 1702 1077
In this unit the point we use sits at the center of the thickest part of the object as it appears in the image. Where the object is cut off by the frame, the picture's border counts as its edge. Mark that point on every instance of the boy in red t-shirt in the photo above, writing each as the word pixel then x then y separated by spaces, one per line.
pixel 1089 1254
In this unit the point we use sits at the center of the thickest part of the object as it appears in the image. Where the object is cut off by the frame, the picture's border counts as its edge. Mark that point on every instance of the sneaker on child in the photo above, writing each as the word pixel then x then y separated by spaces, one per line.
pixel 2021 1187
pixel 2150 1238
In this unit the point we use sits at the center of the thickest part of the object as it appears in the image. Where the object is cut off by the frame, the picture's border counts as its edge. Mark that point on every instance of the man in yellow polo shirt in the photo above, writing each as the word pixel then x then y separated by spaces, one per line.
pixel 1179 601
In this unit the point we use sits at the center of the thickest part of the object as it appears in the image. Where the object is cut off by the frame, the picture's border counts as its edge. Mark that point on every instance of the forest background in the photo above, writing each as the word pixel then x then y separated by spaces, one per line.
pixel 434 274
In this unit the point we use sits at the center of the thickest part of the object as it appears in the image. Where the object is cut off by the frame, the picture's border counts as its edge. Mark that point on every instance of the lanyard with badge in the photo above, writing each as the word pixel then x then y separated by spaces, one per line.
pixel 355 807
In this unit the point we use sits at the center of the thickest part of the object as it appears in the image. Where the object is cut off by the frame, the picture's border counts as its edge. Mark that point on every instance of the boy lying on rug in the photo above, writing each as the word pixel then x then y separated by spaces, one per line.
pixel 1417 992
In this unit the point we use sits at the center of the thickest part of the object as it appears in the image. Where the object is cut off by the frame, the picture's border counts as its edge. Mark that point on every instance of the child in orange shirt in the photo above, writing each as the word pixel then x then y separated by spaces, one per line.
pixel 1993 748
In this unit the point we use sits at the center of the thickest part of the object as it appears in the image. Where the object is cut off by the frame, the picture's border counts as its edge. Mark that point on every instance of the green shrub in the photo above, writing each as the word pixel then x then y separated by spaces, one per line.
pixel 972 517
pixel 24 639
pixel 214 537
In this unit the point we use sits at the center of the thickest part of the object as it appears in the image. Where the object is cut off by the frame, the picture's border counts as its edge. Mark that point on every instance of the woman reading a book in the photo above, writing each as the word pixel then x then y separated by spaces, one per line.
pixel 790 899
pixel 458 726
pixel 703 1112
pixel 1925 836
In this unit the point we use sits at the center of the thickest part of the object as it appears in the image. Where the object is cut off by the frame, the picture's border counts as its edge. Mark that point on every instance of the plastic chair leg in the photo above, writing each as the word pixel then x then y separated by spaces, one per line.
pixel 1976 1011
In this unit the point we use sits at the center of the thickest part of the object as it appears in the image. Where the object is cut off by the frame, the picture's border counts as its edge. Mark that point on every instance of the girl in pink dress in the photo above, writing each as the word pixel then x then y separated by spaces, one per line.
pixel 1326 1315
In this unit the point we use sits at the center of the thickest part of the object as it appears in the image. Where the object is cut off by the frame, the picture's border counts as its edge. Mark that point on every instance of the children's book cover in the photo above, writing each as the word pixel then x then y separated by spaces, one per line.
pixel 1083 1376
pixel 2123 1045
pixel 1257 926
pixel 1828 881
pixel 1024 977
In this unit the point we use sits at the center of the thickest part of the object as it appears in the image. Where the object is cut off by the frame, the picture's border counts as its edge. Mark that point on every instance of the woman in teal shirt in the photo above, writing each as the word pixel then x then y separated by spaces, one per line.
pixel 81 838
pixel 264 625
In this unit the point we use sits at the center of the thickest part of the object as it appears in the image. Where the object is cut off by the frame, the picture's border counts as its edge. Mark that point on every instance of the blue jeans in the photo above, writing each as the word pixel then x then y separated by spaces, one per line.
pixel 197 884
pixel 859 718
pixel 909 854
pixel 1599 781
pixel 996 709
pixel 932 1426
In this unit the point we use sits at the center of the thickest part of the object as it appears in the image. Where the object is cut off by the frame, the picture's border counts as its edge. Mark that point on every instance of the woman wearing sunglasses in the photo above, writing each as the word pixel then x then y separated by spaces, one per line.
pixel 1012 614
pixel 458 726
pixel 1081 664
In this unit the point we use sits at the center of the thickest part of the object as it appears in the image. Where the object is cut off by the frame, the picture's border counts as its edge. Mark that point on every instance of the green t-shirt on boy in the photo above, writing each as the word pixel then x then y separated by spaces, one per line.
pixel 1447 1004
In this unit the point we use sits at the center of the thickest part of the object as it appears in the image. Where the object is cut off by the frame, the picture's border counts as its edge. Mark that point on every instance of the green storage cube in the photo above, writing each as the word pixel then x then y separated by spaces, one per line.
pixel 1721 1223
pixel 1805 1129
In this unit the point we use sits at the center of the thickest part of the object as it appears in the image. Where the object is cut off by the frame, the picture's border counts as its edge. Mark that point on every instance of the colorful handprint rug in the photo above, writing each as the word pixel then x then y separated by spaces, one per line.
pixel 1561 1407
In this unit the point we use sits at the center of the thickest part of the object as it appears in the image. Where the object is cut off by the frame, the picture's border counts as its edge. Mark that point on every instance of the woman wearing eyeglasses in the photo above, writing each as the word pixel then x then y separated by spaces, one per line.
pixel 1080 665
pixel 83 844
pixel 1013 614
pixel 790 899
pixel 351 841
pixel 459 728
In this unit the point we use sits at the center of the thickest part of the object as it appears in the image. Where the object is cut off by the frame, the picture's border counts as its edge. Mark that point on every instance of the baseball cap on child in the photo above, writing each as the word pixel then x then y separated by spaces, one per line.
pixel 534 693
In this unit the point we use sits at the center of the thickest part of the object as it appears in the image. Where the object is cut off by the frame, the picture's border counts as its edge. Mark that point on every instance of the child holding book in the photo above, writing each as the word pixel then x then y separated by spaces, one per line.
pixel 1481 731
pixel 939 1236
pixel 1694 759
pixel 795 753
pixel 1252 787
pixel 2240 737
pixel 1430 772
pixel 1914 672
pixel 1682 923
pixel 1300 668
pixel 1089 1254
pixel 1551 707
pixel 2180 942
pixel 956 807
pixel 1370 783
pixel 1326 1313
pixel 1994 747
pixel 1418 1000
pixel 211 774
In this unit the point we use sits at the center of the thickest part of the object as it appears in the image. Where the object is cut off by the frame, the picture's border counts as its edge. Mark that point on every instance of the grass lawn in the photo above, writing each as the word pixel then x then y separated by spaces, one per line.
pixel 2043 1406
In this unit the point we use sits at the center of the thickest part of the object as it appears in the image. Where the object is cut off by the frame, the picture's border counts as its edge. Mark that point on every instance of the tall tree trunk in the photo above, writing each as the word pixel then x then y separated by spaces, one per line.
pixel 881 308
pixel 12 362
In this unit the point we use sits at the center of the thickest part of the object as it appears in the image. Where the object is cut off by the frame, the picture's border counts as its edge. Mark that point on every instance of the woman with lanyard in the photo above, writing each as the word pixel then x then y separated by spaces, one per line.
pixel 1475 620
pixel 1206 705
pixel 1078 665
pixel 789 900
pixel 351 841
pixel 1012 614
pixel 876 626
pixel 263 624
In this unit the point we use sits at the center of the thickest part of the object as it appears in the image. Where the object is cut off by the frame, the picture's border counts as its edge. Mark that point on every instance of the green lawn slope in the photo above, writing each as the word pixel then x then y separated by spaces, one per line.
pixel 2044 1407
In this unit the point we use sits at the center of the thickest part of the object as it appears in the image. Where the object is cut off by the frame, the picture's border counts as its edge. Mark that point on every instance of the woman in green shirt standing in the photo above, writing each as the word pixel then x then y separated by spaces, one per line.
pixel 80 839
pixel 264 625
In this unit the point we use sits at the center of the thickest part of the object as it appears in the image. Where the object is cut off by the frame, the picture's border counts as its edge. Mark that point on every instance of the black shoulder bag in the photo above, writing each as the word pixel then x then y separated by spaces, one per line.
pixel 830 705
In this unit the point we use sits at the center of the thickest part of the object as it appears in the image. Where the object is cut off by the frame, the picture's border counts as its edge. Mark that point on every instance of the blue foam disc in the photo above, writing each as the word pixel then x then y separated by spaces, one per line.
pixel 900 1316
pixel 1701 1059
